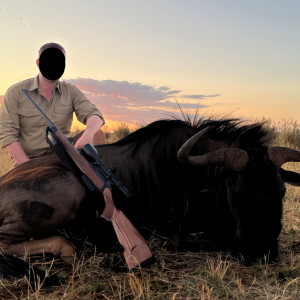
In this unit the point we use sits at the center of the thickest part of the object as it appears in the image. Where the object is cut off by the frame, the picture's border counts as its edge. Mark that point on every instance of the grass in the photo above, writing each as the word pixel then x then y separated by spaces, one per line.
pixel 180 275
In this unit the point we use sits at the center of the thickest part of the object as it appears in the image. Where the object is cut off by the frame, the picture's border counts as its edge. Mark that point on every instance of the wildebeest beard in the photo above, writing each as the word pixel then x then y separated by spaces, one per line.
pixel 237 207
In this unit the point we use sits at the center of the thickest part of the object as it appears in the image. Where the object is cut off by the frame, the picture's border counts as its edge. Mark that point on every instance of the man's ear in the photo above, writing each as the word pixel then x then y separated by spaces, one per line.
pixel 37 62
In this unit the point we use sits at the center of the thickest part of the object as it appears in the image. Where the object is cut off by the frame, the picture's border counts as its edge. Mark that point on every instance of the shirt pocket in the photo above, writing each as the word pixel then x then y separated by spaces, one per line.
pixel 64 118
pixel 30 118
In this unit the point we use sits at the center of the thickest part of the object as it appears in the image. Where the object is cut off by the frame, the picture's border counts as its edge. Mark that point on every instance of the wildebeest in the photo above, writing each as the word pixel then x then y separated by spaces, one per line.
pixel 217 177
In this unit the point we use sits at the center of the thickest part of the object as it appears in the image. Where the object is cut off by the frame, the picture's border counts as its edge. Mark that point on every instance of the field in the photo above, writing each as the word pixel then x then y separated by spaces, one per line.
pixel 179 275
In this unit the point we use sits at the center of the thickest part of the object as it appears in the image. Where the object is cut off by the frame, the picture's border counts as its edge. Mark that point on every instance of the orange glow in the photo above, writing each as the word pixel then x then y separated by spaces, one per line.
pixel 110 124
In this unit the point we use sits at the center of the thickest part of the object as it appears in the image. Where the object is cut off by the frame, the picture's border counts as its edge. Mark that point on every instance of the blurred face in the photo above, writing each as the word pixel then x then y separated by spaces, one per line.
pixel 52 63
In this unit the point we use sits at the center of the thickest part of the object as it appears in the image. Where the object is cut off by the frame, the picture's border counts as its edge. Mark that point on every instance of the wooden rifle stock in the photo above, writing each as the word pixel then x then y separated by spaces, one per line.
pixel 136 250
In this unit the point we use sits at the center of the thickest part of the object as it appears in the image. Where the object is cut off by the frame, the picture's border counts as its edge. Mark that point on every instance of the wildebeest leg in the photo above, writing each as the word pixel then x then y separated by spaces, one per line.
pixel 56 245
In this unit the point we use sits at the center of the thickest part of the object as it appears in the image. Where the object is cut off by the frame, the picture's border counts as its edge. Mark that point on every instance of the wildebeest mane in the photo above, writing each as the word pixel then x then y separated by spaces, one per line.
pixel 230 131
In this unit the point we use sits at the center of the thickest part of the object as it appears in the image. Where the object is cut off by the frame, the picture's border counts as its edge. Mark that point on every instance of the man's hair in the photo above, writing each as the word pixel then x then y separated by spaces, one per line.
pixel 51 45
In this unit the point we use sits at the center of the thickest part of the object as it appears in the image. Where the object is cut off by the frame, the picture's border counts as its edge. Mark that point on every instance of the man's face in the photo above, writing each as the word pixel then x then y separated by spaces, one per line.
pixel 52 63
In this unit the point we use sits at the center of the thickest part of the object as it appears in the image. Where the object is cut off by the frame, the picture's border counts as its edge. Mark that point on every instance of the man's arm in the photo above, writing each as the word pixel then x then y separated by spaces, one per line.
pixel 93 125
pixel 17 153
pixel 83 107
pixel 87 113
pixel 9 127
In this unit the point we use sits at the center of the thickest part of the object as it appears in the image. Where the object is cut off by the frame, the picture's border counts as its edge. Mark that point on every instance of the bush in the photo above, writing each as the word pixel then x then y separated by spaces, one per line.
pixel 139 125
pixel 105 130
pixel 289 133
pixel 271 128
pixel 284 133
pixel 121 130
pixel 75 131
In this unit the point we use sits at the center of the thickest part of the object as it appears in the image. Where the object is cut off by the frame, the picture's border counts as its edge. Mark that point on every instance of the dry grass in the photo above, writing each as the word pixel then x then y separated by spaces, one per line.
pixel 180 275
pixel 6 162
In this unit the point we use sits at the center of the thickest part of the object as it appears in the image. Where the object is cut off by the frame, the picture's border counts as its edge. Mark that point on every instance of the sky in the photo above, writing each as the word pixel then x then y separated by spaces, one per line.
pixel 136 59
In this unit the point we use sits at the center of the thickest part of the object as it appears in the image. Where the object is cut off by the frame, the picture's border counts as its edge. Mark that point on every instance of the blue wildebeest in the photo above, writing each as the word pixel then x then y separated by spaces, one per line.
pixel 216 177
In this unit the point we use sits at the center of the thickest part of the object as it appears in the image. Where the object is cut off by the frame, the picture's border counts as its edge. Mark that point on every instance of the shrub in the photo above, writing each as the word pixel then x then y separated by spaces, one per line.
pixel 75 131
pixel 139 125
pixel 285 133
pixel 289 133
pixel 121 130
pixel 105 130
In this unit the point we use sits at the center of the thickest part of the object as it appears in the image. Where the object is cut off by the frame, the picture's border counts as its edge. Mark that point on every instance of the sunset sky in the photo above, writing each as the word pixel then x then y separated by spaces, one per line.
pixel 134 58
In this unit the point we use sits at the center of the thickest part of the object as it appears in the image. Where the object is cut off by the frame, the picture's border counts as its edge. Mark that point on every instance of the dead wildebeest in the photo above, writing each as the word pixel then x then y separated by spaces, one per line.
pixel 223 182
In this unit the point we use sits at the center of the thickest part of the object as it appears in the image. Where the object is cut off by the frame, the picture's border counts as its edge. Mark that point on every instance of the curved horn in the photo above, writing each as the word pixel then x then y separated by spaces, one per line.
pixel 234 158
pixel 281 155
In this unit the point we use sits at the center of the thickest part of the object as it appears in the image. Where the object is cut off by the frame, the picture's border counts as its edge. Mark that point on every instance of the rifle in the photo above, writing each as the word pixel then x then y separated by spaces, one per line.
pixel 97 176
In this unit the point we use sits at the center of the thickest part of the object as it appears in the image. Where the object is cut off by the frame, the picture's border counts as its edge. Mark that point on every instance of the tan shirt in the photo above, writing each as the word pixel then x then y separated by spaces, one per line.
pixel 21 121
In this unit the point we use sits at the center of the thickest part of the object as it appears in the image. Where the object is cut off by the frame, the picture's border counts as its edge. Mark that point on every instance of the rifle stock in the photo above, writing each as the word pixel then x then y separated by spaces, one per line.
pixel 136 250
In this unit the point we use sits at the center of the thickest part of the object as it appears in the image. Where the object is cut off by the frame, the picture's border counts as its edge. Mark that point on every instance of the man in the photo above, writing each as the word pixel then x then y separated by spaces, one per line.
pixel 22 127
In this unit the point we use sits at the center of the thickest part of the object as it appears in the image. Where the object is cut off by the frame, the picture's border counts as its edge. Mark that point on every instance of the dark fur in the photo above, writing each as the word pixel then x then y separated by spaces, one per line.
pixel 241 210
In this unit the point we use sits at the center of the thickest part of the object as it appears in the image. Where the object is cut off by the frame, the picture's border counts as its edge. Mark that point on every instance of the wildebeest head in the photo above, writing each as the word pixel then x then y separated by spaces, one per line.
pixel 251 181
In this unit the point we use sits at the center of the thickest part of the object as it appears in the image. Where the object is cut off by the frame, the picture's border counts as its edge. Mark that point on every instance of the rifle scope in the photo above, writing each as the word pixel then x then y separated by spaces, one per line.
pixel 91 154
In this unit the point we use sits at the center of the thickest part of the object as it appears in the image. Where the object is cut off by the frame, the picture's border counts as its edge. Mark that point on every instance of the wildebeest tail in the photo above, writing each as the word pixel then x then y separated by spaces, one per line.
pixel 14 268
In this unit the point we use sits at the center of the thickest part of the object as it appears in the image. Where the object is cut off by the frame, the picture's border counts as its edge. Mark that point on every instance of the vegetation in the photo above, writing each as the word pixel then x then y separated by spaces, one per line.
pixel 121 130
pixel 285 133
pixel 180 275
pixel 75 131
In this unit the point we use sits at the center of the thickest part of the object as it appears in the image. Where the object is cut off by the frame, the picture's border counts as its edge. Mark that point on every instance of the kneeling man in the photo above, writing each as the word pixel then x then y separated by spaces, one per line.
pixel 22 127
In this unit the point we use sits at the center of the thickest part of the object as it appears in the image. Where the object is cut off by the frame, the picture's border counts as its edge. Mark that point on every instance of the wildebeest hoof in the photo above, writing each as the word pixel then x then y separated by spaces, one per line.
pixel 68 260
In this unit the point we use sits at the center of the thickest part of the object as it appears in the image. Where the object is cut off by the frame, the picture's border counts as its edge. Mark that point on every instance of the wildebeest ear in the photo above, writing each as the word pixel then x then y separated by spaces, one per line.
pixel 290 177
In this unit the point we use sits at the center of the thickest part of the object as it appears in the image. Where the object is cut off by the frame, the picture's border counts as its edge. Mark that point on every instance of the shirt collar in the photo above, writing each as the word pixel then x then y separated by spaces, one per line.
pixel 35 85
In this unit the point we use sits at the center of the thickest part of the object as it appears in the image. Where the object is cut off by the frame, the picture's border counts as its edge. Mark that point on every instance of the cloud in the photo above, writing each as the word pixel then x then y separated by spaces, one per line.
pixel 199 96
pixel 131 102
pixel 135 92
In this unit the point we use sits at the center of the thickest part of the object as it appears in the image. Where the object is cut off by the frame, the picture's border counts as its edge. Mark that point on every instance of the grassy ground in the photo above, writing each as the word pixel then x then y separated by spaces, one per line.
pixel 180 275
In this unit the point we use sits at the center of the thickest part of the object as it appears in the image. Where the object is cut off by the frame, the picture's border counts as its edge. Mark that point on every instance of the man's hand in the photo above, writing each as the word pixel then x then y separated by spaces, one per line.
pixel 92 134
pixel 86 138
pixel 17 153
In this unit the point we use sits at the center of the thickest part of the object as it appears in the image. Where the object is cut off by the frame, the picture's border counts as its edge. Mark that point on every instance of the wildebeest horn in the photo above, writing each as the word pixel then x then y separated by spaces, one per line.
pixel 281 155
pixel 234 158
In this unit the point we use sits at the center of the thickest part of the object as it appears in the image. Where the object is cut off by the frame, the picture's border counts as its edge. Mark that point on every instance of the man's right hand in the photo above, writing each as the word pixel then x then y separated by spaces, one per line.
pixel 17 153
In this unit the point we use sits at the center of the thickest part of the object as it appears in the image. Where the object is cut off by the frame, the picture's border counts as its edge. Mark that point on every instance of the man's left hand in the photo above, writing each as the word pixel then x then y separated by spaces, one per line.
pixel 86 138
pixel 92 134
